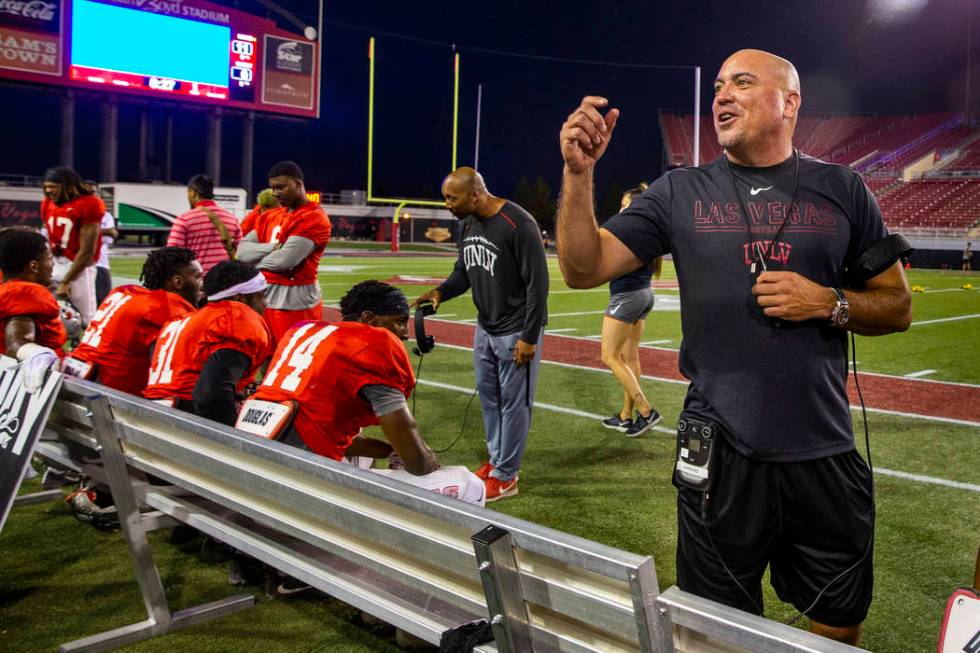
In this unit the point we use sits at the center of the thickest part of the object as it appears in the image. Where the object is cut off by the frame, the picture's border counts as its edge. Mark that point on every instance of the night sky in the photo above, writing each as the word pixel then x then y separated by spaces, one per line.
pixel 852 55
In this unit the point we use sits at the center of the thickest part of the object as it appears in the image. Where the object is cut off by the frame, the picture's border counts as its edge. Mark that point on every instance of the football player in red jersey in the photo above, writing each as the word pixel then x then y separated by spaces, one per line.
pixel 115 348
pixel 29 315
pixel 286 245
pixel 203 361
pixel 355 373
pixel 72 215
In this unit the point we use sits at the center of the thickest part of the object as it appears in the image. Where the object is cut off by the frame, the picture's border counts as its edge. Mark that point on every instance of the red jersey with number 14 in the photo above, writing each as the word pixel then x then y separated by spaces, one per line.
pixel 185 345
pixel 29 299
pixel 323 367
pixel 64 224
pixel 119 337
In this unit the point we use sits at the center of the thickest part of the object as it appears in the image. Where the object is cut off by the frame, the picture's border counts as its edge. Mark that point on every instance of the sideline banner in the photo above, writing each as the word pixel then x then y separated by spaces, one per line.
pixel 22 418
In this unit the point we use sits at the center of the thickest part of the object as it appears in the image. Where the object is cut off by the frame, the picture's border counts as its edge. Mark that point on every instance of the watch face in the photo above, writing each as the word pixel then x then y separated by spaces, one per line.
pixel 842 315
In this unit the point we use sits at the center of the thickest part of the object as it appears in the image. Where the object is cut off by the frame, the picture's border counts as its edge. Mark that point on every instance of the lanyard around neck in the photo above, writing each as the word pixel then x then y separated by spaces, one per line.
pixel 758 257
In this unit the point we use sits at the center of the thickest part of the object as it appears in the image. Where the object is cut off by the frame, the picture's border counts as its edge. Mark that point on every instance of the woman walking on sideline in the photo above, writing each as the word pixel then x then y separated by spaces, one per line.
pixel 630 300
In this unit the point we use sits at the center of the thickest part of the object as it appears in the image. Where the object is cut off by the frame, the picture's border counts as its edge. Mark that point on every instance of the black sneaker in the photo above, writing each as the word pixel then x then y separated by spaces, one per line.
pixel 290 585
pixel 617 424
pixel 643 424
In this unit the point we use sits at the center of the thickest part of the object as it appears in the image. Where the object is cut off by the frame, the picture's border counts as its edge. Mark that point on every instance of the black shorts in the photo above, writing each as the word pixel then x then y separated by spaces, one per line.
pixel 809 521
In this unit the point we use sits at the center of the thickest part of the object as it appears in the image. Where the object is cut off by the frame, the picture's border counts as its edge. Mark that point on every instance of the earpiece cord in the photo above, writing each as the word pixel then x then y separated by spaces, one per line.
pixel 466 411
pixel 867 550
pixel 871 476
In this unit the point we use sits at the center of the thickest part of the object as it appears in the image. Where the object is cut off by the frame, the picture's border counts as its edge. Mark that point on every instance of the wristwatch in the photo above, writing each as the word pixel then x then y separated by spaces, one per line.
pixel 841 313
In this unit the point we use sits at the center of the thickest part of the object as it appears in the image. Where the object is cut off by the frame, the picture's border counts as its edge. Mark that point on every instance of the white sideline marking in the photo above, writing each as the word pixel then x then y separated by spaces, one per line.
pixel 927 479
pixel 560 330
pixel 855 408
pixel 654 342
pixel 921 478
pixel 915 375
pixel 887 376
pixel 343 269
pixel 946 319
pixel 576 313
pixel 604 289
pixel 553 408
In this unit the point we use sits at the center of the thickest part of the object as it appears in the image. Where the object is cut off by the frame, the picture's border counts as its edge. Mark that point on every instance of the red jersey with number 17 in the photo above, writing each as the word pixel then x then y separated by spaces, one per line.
pixel 119 337
pixel 323 367
pixel 185 345
pixel 308 221
pixel 29 299
pixel 64 224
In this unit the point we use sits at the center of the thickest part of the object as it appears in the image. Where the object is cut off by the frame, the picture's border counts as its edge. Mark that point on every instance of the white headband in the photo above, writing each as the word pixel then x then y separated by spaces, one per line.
pixel 253 285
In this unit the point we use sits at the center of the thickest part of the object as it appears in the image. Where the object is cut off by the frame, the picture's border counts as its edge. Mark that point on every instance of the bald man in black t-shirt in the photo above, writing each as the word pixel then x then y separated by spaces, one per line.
pixel 761 239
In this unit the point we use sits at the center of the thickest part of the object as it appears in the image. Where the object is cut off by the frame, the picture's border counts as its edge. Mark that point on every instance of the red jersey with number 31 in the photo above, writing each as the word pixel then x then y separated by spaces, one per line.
pixel 64 224
pixel 185 345
pixel 323 366
pixel 119 337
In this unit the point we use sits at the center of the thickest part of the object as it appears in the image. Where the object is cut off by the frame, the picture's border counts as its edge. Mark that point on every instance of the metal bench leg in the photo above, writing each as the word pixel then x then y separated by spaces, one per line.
pixel 502 587
pixel 159 618
pixel 37 497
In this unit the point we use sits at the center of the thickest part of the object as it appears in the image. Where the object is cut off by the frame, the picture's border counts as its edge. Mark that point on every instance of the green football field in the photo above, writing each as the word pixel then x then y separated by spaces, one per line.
pixel 60 579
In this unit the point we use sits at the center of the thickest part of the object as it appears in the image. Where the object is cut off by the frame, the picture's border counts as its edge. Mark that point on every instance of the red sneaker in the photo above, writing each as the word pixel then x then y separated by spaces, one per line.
pixel 484 472
pixel 497 489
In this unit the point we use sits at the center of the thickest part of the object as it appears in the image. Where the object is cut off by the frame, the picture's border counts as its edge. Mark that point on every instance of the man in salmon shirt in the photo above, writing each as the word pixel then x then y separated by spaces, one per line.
pixel 72 215
pixel 286 245
pixel 203 361
pixel 29 315
pixel 115 348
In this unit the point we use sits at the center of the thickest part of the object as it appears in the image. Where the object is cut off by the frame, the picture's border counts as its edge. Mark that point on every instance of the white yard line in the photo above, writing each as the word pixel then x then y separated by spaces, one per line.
pixel 575 314
pixel 947 319
pixel 915 375
pixel 919 478
pixel 663 379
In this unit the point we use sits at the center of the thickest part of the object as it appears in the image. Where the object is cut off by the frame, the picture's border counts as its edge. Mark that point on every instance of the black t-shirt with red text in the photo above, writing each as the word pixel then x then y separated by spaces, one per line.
pixel 778 387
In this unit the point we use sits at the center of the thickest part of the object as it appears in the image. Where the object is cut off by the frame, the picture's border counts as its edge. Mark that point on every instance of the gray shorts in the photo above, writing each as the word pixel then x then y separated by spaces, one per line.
pixel 631 306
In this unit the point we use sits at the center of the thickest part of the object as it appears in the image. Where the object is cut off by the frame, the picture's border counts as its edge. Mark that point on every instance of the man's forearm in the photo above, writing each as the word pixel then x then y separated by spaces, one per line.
pixel 577 232
pixel 879 311
pixel 82 261
pixel 253 252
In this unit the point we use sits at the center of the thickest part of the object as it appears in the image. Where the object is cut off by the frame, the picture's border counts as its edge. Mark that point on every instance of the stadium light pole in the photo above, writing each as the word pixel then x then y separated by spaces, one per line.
pixel 697 115
pixel 455 106
pixel 479 105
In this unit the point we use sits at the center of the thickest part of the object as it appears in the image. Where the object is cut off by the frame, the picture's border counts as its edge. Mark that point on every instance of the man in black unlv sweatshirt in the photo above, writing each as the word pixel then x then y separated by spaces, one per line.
pixel 501 258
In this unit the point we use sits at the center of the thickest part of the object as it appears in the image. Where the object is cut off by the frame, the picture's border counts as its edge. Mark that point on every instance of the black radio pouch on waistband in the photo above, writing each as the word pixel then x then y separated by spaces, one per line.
pixel 696 442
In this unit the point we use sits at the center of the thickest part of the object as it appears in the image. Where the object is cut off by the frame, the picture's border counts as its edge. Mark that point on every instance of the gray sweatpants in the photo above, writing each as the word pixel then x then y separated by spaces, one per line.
pixel 506 398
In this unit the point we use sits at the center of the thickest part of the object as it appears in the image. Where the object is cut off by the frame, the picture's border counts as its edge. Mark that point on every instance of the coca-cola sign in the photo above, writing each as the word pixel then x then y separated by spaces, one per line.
pixel 35 15
pixel 34 9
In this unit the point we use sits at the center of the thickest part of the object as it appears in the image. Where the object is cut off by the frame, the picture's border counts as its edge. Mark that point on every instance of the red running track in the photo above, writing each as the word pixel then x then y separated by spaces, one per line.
pixel 883 392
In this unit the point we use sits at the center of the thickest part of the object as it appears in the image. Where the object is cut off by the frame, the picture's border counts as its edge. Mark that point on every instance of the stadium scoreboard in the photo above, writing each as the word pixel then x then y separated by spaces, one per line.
pixel 186 50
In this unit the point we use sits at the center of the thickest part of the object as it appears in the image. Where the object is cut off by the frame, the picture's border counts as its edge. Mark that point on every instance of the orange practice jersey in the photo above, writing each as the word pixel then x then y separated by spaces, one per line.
pixel 185 345
pixel 28 299
pixel 64 224
pixel 323 366
pixel 310 222
pixel 119 337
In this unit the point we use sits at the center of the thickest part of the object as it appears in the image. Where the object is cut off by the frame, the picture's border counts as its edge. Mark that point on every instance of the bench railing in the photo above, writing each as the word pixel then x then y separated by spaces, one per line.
pixel 412 558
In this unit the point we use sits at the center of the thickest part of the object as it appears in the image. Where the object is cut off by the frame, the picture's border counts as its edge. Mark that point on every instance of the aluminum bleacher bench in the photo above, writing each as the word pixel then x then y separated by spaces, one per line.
pixel 420 561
